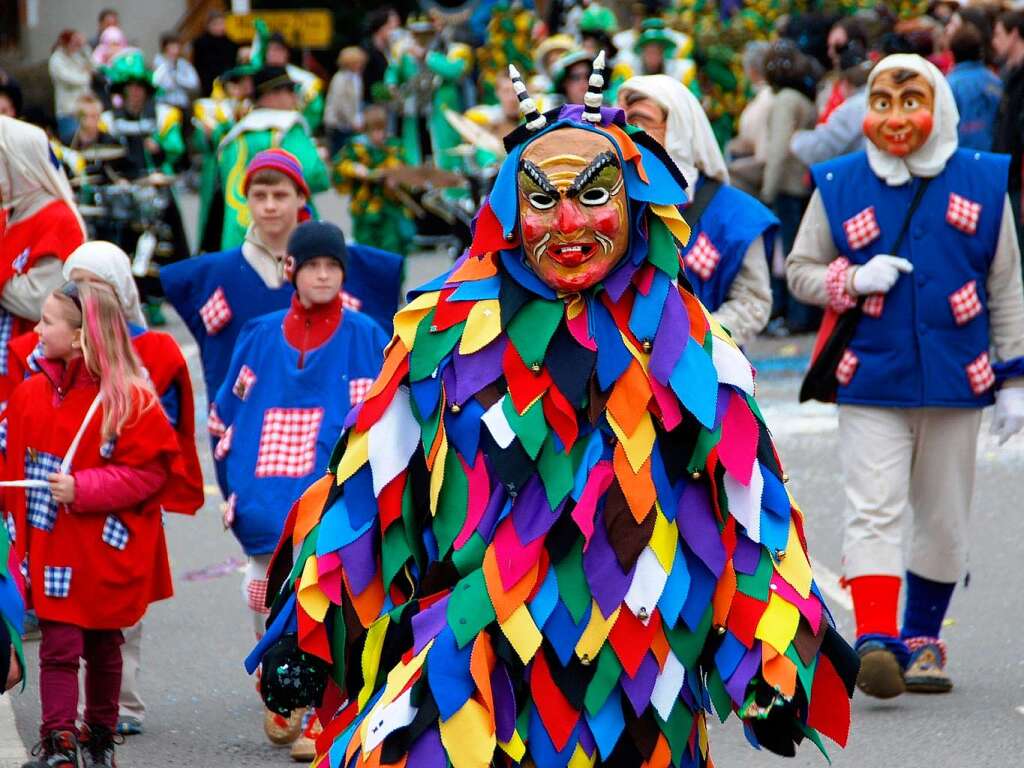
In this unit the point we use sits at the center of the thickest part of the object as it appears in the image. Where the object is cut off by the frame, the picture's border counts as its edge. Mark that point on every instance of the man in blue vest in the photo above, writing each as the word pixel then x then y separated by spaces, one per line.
pixel 920 234
pixel 732 234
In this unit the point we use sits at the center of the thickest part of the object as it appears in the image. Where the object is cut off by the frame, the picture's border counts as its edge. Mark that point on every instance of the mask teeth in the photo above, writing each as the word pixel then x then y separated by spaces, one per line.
pixel 594 97
pixel 527 107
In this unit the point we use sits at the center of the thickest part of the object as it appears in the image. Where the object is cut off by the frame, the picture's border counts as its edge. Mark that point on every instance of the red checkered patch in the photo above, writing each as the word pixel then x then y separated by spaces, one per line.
pixel 980 374
pixel 288 442
pixel 963 214
pixel 862 229
pixel 835 285
pixel 847 367
pixel 703 258
pixel 216 312
pixel 358 389
pixel 223 447
pixel 965 303
pixel 243 384
pixel 256 594
pixel 214 423
pixel 873 305
pixel 348 301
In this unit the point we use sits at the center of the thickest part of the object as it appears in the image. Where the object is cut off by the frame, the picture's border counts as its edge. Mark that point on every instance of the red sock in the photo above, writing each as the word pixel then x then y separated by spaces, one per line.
pixel 875 600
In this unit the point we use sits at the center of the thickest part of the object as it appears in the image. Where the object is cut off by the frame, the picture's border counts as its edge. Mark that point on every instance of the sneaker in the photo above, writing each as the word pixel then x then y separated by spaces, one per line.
pixel 881 673
pixel 57 750
pixel 282 730
pixel 129 726
pixel 926 672
pixel 304 747
pixel 98 746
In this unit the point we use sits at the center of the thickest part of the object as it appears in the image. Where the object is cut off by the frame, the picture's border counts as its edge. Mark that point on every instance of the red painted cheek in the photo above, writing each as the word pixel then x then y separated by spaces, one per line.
pixel 871 124
pixel 924 122
pixel 606 221
pixel 534 227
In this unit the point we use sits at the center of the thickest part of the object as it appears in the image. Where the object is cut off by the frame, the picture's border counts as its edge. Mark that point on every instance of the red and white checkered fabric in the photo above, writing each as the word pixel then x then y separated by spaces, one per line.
pixel 358 389
pixel 216 312
pixel 835 286
pixel 963 214
pixel 703 258
pixel 980 374
pixel 847 367
pixel 862 229
pixel 256 595
pixel 214 423
pixel 873 305
pixel 223 446
pixel 288 442
pixel 965 303
pixel 243 384
pixel 348 301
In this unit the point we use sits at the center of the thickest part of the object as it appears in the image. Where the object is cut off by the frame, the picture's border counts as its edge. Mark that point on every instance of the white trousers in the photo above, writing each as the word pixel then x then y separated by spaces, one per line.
pixel 131 703
pixel 254 589
pixel 901 463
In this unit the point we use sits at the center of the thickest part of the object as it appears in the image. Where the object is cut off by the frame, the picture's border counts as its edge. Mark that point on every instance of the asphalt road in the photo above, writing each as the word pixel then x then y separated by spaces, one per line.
pixel 203 709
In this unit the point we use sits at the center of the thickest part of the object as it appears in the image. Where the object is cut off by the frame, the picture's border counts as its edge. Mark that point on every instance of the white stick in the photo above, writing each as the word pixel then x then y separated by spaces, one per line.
pixel 24 484
pixel 65 465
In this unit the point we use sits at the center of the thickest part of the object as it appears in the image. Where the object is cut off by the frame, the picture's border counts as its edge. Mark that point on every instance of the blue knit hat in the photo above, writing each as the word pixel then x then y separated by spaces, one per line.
pixel 317 238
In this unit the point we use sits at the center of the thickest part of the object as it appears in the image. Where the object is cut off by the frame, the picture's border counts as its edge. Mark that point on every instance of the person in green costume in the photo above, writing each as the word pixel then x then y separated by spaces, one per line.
pixel 427 77
pixel 274 122
pixel 213 117
pixel 309 87
pixel 378 217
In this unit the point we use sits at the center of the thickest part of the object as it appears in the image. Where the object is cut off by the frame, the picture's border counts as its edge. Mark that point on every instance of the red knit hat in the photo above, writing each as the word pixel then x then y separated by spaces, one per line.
pixel 279 160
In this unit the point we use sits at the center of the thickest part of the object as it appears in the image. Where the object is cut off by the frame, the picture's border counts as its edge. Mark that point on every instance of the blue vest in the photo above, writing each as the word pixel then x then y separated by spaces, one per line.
pixel 191 284
pixel 278 444
pixel 732 220
pixel 373 282
pixel 916 353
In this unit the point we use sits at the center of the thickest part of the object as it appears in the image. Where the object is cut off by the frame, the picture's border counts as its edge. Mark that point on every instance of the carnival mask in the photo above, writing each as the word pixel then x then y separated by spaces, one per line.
pixel 900 111
pixel 573 211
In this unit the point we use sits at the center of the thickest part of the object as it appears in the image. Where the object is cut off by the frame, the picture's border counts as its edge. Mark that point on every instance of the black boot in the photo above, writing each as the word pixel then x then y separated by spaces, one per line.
pixel 59 749
pixel 98 746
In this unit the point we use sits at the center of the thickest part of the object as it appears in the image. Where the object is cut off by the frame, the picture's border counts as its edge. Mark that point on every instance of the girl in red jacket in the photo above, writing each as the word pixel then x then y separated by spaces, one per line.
pixel 88 454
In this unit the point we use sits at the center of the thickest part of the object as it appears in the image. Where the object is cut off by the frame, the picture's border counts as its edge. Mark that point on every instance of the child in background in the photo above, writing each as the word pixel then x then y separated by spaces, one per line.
pixel 90 437
pixel 378 216
pixel 343 116
pixel 278 414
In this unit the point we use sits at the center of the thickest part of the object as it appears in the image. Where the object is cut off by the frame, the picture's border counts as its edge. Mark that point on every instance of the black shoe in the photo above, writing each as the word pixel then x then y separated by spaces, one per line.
pixel 98 746
pixel 59 749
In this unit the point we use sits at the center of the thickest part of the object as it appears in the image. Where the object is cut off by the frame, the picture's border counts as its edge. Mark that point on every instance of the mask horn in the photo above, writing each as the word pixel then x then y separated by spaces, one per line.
pixel 527 107
pixel 594 97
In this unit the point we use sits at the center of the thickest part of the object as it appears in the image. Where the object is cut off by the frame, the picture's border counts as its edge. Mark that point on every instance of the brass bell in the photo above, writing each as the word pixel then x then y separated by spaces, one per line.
pixel 535 367
pixel 585 659
pixel 695 475
pixel 647 345
pixel 642 614
pixel 456 408
pixel 785 477
pixel 780 554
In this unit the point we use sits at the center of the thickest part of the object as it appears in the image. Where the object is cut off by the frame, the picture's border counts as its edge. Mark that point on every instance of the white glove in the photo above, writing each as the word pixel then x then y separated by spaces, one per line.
pixel 880 274
pixel 1009 416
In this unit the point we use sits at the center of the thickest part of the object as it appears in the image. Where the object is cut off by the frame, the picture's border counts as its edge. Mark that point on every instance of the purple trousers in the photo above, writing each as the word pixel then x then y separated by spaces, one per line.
pixel 61 648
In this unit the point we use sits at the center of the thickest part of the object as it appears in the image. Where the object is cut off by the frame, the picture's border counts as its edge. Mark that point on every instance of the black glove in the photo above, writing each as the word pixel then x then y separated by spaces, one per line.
pixel 291 678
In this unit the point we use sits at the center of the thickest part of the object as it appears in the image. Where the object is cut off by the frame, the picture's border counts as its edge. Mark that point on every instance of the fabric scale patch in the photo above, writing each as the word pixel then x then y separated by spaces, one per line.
pixel 862 229
pixel 703 258
pixel 216 312
pixel 963 214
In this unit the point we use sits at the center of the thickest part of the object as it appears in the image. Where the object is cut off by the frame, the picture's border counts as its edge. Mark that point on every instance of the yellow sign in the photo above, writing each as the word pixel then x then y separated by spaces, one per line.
pixel 311 28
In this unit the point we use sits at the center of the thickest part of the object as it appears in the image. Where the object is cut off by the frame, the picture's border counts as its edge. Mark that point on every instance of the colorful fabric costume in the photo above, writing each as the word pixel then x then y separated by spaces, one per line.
pixel 556 531
pixel 212 118
pixel 378 217
pixel 276 420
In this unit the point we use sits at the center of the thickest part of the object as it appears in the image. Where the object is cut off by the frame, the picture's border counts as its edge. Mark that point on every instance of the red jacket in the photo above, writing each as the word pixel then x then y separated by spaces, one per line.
pixel 53 231
pixel 92 564
pixel 162 358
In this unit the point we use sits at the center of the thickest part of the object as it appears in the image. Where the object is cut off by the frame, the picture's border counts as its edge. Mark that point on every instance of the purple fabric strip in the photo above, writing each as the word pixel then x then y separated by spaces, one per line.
pixel 747 555
pixel 428 623
pixel 476 371
pixel 747 668
pixel 608 584
pixel 531 513
pixel 427 751
pixel 698 528
pixel 673 335
pixel 639 689
pixel 360 560
pixel 504 702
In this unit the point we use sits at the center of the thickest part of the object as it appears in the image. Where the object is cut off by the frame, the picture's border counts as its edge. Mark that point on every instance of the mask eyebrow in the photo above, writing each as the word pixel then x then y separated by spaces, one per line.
pixel 589 173
pixel 538 177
